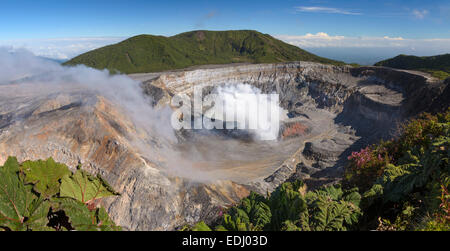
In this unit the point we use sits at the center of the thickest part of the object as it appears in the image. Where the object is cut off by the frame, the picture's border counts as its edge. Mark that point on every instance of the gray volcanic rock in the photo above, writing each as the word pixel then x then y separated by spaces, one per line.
pixel 341 108
pixel 440 101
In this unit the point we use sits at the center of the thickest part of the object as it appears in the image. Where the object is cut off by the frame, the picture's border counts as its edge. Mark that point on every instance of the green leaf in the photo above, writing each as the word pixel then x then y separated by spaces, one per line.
pixel 353 197
pixel 287 203
pixel 331 209
pixel 290 226
pixel 373 194
pixel 37 215
pixel 84 187
pixel 79 215
pixel 257 210
pixel 220 228
pixel 201 227
pixel 21 209
pixel 15 200
pixel 45 175
pixel 331 192
pixel 82 219
pixel 330 216
pixel 11 165
pixel 304 222
pixel 104 222
pixel 236 220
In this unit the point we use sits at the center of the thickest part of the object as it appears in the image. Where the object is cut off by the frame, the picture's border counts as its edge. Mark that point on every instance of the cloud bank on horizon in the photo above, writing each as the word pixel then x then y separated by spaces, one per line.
pixel 61 48
pixel 363 50
pixel 366 50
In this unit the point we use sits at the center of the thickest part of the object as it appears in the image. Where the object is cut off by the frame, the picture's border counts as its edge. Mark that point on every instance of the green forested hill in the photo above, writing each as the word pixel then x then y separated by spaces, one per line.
pixel 438 66
pixel 147 53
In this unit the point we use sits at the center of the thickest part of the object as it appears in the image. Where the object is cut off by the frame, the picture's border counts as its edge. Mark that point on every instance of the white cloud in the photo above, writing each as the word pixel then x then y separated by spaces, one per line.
pixel 66 48
pixel 322 39
pixel 366 50
pixel 319 36
pixel 420 14
pixel 393 38
pixel 317 9
pixel 61 48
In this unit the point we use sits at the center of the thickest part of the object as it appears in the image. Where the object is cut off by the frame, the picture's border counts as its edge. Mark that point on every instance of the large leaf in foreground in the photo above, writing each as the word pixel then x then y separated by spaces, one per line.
pixel 85 187
pixel 37 215
pixel 11 165
pixel 104 222
pixel 82 219
pixel 257 210
pixel 79 215
pixel 15 201
pixel 45 175
pixel 201 227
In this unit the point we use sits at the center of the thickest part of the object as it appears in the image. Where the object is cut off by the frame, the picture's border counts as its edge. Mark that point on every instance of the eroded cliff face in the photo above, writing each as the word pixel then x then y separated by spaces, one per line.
pixel 330 112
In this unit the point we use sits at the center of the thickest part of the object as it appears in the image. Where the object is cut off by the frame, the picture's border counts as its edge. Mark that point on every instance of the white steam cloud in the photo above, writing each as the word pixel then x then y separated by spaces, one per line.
pixel 253 110
pixel 21 72
pixel 24 73
pixel 21 66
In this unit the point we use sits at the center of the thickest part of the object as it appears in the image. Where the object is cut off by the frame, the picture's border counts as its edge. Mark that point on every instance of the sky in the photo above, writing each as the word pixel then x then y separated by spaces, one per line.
pixel 360 31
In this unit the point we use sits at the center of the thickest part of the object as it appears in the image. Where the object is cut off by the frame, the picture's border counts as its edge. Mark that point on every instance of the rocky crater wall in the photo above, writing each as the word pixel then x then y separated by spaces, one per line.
pixel 348 108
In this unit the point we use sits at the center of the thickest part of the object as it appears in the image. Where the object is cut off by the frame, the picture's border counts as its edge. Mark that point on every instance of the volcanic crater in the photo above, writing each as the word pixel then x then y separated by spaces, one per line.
pixel 166 181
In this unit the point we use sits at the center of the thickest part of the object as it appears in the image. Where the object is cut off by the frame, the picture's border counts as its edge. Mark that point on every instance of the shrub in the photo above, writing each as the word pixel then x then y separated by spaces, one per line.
pixel 441 219
pixel 413 178
pixel 369 164
pixel 291 208
pixel 366 166
pixel 45 195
